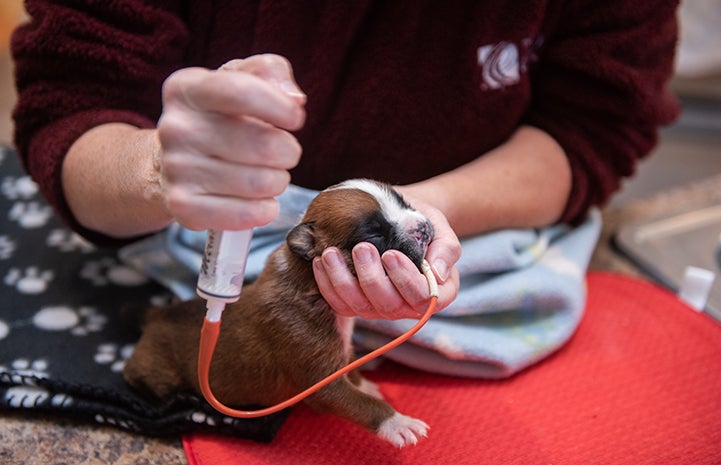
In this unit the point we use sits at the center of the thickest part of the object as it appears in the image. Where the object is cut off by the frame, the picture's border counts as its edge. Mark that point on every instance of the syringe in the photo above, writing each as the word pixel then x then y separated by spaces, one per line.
pixel 221 275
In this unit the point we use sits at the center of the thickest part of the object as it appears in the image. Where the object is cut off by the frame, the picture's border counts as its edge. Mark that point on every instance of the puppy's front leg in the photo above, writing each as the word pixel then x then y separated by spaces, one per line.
pixel 344 399
pixel 369 387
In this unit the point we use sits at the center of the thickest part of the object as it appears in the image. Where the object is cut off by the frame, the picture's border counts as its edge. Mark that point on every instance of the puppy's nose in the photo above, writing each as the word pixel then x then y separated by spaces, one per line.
pixel 423 234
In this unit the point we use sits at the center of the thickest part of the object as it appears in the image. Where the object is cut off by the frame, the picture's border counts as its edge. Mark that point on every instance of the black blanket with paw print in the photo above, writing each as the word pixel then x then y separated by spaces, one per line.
pixel 63 340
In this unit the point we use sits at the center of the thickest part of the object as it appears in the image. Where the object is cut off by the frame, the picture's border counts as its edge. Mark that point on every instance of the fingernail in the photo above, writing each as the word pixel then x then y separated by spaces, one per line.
pixel 440 268
pixel 318 264
pixel 291 90
pixel 332 258
pixel 362 254
pixel 391 261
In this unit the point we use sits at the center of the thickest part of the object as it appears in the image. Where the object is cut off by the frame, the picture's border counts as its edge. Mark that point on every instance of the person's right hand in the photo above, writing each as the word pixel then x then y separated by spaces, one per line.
pixel 226 145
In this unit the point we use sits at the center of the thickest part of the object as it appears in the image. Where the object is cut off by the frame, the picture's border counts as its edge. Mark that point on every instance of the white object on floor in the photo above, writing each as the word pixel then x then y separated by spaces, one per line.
pixel 696 287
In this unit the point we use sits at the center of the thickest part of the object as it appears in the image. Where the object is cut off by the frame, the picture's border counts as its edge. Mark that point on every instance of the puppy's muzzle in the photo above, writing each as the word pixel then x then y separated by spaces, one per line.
pixel 414 242
pixel 423 235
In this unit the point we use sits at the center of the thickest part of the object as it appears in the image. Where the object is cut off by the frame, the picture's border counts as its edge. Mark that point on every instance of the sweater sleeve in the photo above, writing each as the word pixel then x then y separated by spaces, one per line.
pixel 80 64
pixel 600 89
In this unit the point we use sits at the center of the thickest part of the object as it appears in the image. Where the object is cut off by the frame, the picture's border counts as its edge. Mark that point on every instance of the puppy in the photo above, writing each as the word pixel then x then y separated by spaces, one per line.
pixel 281 337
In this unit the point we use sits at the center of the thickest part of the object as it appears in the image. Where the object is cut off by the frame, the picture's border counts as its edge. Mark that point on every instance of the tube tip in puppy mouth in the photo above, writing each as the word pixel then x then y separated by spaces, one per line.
pixel 430 277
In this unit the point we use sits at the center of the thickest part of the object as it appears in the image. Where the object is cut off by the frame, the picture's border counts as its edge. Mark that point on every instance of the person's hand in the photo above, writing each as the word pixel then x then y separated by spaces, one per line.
pixel 226 145
pixel 390 286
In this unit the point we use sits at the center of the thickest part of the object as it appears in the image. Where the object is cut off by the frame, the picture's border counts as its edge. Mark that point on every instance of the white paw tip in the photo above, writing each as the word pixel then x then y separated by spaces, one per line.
pixel 401 430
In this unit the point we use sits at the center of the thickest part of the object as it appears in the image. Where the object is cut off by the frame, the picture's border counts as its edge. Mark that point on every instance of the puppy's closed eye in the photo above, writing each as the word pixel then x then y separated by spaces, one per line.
pixel 375 230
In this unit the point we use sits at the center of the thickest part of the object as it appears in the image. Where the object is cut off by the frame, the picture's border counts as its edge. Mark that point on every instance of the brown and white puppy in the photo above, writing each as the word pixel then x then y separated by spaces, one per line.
pixel 281 336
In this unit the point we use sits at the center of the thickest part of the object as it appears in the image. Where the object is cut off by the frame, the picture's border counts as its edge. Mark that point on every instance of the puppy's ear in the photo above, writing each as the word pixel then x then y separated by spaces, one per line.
pixel 301 240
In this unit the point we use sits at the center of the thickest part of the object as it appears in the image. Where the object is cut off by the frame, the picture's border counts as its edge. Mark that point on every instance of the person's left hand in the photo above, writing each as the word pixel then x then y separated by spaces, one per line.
pixel 390 286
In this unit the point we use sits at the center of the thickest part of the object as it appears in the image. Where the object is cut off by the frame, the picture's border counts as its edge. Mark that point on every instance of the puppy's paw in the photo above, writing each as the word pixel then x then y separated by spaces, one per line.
pixel 401 430
pixel 370 388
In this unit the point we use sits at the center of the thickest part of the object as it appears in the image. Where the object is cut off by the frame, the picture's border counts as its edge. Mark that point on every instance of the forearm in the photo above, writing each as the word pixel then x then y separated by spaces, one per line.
pixel 111 180
pixel 523 183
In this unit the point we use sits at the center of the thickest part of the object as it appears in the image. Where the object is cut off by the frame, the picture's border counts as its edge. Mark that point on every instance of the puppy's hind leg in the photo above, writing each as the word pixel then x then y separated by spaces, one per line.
pixel 148 372
pixel 345 400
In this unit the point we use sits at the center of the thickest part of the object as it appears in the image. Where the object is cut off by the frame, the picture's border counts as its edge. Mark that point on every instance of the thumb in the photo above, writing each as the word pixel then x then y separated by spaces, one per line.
pixel 443 253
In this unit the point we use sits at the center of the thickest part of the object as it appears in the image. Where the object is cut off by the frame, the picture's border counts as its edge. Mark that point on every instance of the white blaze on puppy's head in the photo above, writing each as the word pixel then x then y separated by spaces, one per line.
pixel 357 211
pixel 394 207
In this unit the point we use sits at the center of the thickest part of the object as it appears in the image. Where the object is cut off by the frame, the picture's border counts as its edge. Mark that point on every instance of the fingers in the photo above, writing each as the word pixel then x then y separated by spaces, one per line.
pixel 377 287
pixel 338 285
pixel 226 145
pixel 391 287
pixel 224 213
pixel 445 248
pixel 213 170
pixel 233 94
pixel 217 177
pixel 272 68
pixel 246 141
pixel 388 287
pixel 408 281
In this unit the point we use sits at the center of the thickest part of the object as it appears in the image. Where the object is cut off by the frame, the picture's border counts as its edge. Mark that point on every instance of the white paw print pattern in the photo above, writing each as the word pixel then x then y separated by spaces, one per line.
pixel 30 281
pixel 7 247
pixel 30 215
pixel 23 367
pixel 108 270
pixel 80 322
pixel 22 371
pixel 107 420
pixel 114 356
pixel 67 241
pixel 202 418
pixel 19 188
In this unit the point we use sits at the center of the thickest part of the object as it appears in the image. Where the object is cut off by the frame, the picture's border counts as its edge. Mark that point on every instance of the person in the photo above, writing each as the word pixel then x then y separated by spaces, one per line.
pixel 486 115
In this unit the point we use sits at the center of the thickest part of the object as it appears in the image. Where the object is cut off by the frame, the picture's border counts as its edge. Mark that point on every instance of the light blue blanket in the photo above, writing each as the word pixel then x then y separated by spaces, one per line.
pixel 522 292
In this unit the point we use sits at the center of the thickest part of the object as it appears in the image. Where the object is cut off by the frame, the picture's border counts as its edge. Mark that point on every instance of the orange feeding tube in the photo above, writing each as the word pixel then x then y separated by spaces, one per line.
pixel 209 338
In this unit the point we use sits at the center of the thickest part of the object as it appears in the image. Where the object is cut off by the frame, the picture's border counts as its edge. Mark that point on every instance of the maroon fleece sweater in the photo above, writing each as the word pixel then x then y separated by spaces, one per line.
pixel 397 90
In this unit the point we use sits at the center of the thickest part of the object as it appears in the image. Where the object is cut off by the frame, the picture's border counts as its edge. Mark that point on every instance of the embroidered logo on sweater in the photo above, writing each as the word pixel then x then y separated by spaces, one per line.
pixel 502 64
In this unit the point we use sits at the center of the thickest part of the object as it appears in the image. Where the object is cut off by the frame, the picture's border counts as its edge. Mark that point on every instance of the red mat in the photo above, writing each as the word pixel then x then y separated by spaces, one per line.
pixel 639 383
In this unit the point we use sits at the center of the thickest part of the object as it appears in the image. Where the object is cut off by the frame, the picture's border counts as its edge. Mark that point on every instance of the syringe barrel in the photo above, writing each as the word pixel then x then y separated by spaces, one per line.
pixel 223 268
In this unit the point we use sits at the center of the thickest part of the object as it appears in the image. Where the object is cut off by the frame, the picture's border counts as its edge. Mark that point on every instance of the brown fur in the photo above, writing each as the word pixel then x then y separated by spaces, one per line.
pixel 278 339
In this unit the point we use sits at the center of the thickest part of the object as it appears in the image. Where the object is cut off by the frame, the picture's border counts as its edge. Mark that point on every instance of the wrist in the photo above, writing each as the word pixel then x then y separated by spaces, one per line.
pixel 113 183
pixel 153 189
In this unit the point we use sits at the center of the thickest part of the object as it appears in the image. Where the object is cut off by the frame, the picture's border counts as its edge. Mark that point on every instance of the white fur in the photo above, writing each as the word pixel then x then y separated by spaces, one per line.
pixel 407 219
pixel 401 430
